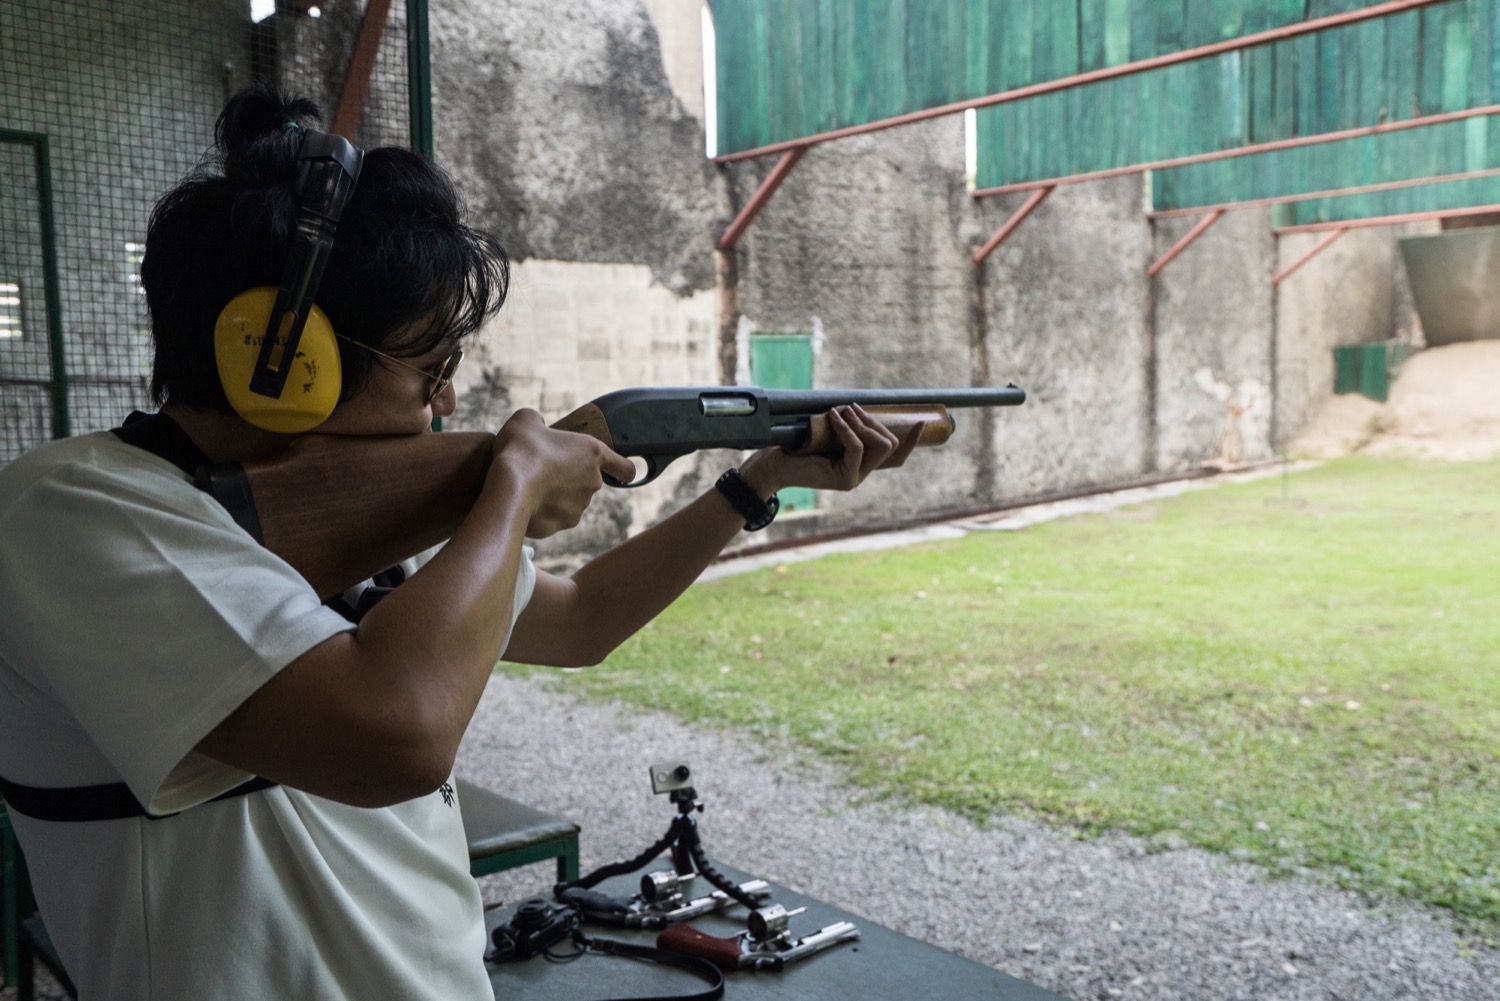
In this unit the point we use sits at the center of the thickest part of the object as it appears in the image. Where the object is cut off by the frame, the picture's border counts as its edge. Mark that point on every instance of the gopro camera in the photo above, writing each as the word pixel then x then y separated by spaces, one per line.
pixel 670 776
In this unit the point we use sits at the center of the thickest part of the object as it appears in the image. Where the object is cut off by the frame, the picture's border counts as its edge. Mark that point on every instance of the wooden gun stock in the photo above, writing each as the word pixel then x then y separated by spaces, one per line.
pixel 342 509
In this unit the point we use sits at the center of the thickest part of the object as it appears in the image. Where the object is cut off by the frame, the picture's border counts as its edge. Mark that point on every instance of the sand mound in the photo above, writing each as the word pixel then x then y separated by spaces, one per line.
pixel 1347 423
pixel 1444 404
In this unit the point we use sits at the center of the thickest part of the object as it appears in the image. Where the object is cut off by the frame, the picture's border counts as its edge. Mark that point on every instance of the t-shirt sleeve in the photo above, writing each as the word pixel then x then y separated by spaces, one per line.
pixel 147 615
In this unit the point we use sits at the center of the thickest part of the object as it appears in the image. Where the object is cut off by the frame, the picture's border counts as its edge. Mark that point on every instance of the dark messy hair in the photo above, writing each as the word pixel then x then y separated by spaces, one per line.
pixel 405 274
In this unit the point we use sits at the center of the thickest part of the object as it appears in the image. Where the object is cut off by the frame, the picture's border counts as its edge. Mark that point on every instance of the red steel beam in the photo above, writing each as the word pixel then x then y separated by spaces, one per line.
pixel 1359 189
pixel 1183 243
pixel 1387 220
pixel 361 68
pixel 1265 147
pixel 1037 197
pixel 741 222
pixel 1093 76
pixel 1322 245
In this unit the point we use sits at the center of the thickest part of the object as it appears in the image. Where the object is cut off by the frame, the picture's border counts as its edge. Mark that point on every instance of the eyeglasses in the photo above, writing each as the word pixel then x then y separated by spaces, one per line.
pixel 441 377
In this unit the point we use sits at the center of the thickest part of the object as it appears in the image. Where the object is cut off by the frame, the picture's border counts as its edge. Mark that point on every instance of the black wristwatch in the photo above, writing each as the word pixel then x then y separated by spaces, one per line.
pixel 756 512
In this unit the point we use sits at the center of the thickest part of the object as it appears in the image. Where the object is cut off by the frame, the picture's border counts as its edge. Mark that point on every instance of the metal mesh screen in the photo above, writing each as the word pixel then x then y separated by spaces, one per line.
pixel 107 104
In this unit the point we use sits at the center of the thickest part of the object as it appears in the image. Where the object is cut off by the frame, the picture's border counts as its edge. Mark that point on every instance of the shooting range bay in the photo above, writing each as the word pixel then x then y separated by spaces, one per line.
pixel 1046 673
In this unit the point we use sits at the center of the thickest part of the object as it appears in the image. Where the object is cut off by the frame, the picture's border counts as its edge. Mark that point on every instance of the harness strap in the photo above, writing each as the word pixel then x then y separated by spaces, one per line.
pixel 160 436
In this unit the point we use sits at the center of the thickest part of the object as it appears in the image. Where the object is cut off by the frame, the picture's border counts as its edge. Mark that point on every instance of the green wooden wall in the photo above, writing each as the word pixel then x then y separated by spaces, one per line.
pixel 1421 62
pixel 1401 201
pixel 787 69
pixel 1459 147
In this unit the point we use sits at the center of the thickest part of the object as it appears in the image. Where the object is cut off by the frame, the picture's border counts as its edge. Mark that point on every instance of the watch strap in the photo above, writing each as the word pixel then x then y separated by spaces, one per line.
pixel 756 512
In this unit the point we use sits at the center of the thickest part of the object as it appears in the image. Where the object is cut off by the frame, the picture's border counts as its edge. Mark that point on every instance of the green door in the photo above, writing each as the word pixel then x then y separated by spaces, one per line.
pixel 785 361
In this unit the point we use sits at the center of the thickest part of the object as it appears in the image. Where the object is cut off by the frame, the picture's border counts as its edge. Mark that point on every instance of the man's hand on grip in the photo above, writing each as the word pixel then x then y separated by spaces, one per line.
pixel 556 472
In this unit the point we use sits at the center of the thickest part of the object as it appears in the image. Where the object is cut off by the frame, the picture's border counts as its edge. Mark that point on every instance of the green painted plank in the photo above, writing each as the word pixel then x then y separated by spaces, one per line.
pixel 788 74
pixel 1420 198
pixel 1055 42
pixel 977 35
pixel 1332 72
pixel 742 68
pixel 1457 51
pixel 935 53
pixel 1429 50
pixel 1409 154
pixel 1170 26
pixel 1481 16
pixel 1400 86
pixel 1116 32
pixel 819 46
pixel 850 64
pixel 886 51
pixel 1144 42
pixel 1016 46
pixel 1260 66
pixel 1093 23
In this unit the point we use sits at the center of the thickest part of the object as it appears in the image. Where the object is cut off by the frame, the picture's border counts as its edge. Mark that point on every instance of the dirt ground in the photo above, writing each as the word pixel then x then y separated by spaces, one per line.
pixel 1444 404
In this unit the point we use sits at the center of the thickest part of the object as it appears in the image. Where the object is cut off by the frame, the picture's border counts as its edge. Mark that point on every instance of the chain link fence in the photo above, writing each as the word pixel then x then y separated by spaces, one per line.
pixel 106 105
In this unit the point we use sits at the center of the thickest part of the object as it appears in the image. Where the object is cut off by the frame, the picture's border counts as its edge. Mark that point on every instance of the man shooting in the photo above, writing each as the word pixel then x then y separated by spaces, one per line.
pixel 223 786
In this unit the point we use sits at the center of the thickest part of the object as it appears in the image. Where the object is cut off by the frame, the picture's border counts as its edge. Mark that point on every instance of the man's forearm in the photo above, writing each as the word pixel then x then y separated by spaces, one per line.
pixel 576 621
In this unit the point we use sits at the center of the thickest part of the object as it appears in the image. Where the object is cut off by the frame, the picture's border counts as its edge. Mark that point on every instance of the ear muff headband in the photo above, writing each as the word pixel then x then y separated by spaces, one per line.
pixel 294 381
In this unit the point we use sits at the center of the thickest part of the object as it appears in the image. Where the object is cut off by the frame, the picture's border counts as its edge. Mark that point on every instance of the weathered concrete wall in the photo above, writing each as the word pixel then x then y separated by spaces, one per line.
pixel 861 246
pixel 1069 320
pixel 1214 334
pixel 570 140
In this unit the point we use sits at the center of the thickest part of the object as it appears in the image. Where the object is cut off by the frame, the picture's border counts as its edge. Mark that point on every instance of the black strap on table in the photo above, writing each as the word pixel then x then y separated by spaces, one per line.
pixel 650 954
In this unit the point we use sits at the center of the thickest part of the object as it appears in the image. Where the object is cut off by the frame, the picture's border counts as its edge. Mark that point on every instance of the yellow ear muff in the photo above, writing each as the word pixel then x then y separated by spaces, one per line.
pixel 313 382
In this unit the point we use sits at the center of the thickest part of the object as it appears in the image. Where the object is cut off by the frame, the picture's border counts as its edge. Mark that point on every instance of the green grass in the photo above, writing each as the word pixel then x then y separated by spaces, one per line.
pixel 1308 682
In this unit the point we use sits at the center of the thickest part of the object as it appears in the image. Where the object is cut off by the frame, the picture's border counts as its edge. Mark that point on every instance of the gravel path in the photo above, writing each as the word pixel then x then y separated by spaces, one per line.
pixel 1103 919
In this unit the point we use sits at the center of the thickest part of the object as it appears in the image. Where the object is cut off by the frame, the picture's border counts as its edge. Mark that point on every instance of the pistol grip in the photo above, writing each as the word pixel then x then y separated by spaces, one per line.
pixel 725 953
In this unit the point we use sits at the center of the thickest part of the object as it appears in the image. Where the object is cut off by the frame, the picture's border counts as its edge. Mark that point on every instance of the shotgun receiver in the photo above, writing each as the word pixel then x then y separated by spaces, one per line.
pixel 342 509
pixel 660 425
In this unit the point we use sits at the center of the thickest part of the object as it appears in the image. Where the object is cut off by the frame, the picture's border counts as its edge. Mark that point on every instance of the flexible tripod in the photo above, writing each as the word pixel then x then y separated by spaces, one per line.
pixel 688 859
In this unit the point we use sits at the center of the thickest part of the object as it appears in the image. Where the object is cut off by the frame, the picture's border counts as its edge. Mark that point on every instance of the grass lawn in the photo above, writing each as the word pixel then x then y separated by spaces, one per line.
pixel 1308 682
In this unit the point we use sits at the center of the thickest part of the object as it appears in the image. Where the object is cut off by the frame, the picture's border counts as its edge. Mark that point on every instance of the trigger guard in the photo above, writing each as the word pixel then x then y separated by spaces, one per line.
pixel 654 466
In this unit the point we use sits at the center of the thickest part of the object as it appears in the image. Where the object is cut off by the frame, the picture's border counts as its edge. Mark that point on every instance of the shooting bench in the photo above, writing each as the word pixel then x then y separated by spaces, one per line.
pixel 504 834
pixel 883 965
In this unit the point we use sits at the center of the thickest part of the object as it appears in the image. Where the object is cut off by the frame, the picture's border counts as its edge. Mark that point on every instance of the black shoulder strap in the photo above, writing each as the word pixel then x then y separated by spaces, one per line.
pixel 159 435
pixel 162 436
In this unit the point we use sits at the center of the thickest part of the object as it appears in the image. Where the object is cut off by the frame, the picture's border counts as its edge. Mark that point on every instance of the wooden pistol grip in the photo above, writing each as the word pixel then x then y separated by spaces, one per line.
pixel 341 509
pixel 937 428
pixel 587 419
pixel 686 940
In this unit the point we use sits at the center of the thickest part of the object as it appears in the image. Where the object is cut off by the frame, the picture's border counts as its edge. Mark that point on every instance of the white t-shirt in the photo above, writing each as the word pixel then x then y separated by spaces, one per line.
pixel 134 617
